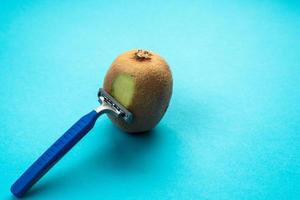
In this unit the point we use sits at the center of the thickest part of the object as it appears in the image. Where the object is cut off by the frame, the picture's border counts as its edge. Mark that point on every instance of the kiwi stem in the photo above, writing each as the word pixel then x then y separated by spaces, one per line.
pixel 143 55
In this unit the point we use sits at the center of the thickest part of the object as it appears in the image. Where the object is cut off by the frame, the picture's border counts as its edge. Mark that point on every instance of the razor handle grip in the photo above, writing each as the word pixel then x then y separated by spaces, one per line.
pixel 53 154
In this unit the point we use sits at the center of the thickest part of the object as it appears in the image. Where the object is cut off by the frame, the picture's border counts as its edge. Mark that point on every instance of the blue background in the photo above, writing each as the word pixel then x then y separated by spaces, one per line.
pixel 231 131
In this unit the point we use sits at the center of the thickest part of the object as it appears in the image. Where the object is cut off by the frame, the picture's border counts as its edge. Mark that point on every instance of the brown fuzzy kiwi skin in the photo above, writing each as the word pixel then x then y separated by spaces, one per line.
pixel 153 89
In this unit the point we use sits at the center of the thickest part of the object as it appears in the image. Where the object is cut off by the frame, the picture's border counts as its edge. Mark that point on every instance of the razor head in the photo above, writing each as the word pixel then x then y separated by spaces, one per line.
pixel 115 106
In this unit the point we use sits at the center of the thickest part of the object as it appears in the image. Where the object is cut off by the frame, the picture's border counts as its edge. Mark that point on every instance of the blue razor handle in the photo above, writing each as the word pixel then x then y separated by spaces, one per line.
pixel 53 154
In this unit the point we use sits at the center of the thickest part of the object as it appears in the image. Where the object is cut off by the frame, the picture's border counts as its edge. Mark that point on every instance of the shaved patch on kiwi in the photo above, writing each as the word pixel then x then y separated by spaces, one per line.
pixel 123 89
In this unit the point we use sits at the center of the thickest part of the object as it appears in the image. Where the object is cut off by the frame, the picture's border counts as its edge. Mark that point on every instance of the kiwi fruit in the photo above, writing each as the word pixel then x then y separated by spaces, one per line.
pixel 142 82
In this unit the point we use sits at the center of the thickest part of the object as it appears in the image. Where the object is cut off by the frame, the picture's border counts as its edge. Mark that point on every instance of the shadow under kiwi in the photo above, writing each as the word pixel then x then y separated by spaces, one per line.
pixel 126 151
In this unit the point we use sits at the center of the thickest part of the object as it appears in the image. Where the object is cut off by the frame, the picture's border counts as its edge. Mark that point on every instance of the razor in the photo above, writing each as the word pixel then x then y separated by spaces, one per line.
pixel 71 137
